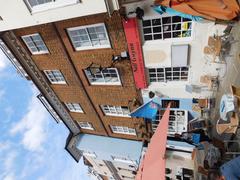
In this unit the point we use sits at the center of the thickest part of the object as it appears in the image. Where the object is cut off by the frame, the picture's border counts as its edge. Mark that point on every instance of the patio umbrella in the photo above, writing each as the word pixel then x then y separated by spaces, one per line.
pixel 208 9
pixel 147 110
pixel 153 164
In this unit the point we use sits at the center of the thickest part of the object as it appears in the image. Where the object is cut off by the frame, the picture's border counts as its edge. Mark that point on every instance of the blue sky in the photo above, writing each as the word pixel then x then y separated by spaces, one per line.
pixel 31 142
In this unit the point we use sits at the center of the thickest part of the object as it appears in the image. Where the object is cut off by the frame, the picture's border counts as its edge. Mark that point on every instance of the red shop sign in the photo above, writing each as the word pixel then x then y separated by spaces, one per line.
pixel 135 52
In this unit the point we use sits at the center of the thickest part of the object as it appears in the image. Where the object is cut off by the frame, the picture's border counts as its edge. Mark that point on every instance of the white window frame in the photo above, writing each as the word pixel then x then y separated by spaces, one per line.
pixel 74 107
pixel 35 52
pixel 104 77
pixel 177 119
pixel 161 25
pixel 163 77
pixel 90 154
pixel 85 125
pixel 123 130
pixel 63 81
pixel 115 110
pixel 49 5
pixel 89 39
pixel 123 160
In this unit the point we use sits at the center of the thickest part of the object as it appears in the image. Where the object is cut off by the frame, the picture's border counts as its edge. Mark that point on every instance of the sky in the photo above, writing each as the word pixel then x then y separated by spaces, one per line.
pixel 31 142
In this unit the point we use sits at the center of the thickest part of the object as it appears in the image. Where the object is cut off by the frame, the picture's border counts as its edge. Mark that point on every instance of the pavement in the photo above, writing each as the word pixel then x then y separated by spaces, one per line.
pixel 229 73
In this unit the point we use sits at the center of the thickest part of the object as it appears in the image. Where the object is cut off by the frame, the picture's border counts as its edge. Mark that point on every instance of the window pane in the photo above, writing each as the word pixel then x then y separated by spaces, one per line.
pixel 55 76
pixel 35 44
pixel 89 36
pixel 166 27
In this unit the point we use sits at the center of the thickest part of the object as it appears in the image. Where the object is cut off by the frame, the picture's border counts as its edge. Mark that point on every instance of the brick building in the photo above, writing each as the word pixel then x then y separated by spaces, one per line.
pixel 80 64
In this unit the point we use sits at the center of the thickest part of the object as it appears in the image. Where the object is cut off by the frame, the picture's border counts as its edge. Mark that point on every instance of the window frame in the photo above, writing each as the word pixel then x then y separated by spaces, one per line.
pixel 88 127
pixel 174 120
pixel 33 52
pixel 163 24
pixel 90 154
pixel 133 133
pixel 163 77
pixel 88 74
pixel 123 160
pixel 55 82
pixel 49 5
pixel 85 28
pixel 71 107
pixel 116 109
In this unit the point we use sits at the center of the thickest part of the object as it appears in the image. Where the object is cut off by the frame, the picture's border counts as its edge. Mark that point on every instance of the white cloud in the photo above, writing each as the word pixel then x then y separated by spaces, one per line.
pixel 9 176
pixel 3 61
pixel 8 165
pixel 32 125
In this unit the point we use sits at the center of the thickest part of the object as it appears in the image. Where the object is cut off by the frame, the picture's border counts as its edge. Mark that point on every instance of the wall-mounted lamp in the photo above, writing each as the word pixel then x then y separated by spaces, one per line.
pixel 139 13
pixel 123 56
pixel 94 69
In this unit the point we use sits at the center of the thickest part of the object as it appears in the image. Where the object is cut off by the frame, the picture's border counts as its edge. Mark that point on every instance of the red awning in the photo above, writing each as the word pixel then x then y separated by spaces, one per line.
pixel 153 164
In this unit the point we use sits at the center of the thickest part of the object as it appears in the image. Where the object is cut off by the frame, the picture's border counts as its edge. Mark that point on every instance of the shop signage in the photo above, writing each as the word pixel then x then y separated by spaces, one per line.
pixel 135 52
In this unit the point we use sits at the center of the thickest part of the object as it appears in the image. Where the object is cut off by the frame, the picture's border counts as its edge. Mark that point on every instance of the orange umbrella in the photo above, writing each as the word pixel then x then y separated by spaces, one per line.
pixel 208 9
pixel 153 164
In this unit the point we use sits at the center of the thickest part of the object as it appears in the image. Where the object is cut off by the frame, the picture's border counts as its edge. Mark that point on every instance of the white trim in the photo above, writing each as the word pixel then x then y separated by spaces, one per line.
pixel 54 82
pixel 161 32
pixel 85 125
pixel 124 160
pixel 74 107
pixel 115 111
pixel 50 5
pixel 118 82
pixel 123 130
pixel 35 52
pixel 166 78
pixel 92 46
pixel 177 121
pixel 90 154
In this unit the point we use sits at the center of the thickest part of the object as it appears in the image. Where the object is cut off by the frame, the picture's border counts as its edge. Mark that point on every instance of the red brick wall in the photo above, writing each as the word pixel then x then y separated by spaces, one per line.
pixel 62 56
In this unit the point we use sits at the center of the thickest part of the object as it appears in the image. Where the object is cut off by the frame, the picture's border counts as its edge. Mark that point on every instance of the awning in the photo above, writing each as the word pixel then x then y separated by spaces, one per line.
pixel 153 164
pixel 147 110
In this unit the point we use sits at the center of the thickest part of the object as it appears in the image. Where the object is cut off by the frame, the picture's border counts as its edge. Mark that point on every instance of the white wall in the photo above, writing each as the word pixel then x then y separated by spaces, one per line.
pixel 103 170
pixel 199 64
pixel 15 13
pixel 177 160
pixel 157 53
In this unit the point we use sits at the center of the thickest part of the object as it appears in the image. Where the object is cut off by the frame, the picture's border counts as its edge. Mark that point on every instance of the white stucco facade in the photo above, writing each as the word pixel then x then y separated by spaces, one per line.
pixel 18 14
pixel 158 53
pixel 199 65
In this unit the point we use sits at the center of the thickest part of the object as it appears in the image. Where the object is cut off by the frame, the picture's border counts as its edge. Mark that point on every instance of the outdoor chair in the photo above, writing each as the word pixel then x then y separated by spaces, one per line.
pixel 210 81
pixel 235 91
pixel 231 149
pixel 231 127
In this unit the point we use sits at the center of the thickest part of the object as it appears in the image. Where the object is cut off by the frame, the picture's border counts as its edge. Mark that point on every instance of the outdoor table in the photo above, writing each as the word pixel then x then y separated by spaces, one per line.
pixel 215 43
pixel 226 105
